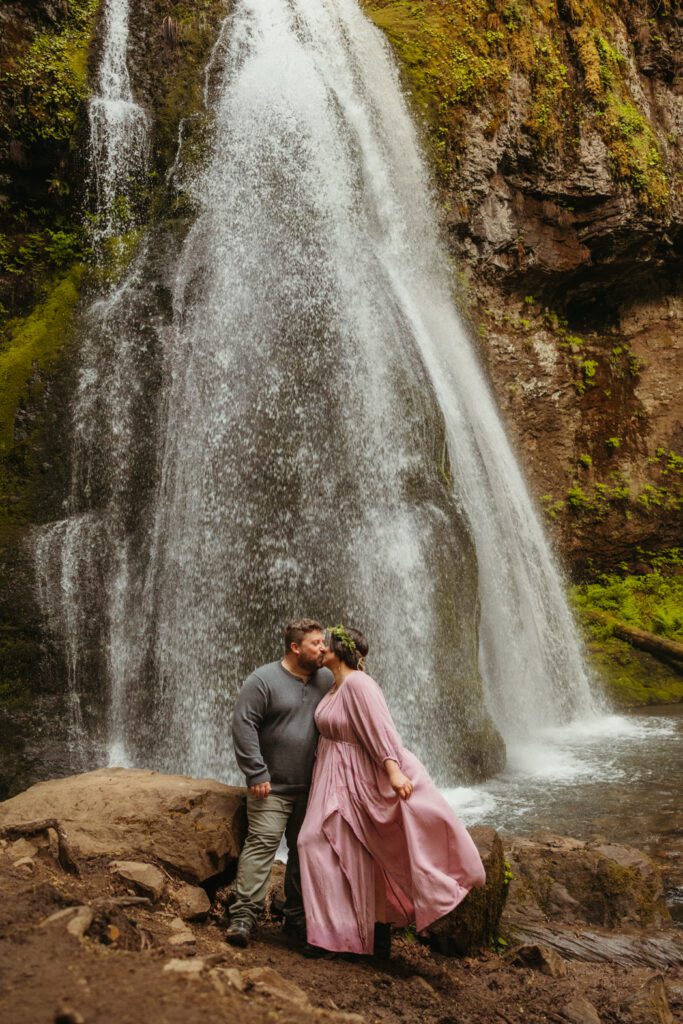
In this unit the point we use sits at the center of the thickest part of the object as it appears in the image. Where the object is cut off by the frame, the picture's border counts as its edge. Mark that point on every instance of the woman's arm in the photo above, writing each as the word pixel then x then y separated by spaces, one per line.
pixel 400 783
pixel 374 727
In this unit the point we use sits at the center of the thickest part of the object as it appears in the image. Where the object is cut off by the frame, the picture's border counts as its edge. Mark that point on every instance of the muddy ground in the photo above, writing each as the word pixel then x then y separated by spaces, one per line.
pixel 116 972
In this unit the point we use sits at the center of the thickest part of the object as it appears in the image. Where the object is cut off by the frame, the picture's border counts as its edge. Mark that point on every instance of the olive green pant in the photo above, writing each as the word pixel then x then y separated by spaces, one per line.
pixel 269 818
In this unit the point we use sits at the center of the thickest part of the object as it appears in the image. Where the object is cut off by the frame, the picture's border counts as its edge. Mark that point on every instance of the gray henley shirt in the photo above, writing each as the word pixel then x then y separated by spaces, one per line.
pixel 274 730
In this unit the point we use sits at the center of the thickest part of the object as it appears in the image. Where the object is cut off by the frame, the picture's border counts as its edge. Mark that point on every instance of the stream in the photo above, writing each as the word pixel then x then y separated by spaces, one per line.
pixel 619 777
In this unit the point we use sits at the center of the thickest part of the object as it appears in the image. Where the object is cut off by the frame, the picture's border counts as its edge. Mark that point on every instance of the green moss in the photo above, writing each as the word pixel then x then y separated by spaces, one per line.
pixel 653 602
pixel 29 347
pixel 454 56
pixel 50 77
pixel 459 58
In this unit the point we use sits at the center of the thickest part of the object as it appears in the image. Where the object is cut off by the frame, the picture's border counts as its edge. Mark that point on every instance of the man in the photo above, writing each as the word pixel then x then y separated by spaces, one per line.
pixel 275 738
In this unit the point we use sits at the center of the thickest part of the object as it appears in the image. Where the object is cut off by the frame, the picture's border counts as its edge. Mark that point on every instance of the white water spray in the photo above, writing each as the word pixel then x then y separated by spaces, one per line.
pixel 118 127
pixel 314 372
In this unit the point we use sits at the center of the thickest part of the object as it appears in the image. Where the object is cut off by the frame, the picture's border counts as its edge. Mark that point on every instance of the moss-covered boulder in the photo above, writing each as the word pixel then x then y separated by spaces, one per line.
pixel 474 925
pixel 568 881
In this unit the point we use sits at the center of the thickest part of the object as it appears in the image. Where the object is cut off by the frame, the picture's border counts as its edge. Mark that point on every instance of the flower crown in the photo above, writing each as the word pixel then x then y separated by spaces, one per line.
pixel 344 637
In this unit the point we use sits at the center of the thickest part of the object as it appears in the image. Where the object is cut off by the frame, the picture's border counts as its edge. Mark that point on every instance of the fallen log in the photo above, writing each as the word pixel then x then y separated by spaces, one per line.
pixel 34 828
pixel 659 646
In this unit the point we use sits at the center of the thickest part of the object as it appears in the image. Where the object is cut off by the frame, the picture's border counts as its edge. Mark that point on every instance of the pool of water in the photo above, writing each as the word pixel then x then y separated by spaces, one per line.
pixel 619 777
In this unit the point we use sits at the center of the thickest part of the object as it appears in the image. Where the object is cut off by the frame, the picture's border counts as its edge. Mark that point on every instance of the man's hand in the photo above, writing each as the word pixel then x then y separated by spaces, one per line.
pixel 260 790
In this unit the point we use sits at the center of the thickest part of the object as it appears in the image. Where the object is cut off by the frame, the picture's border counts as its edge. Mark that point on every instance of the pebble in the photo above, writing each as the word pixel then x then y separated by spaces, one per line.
pixel 190 968
pixel 145 877
pixel 192 902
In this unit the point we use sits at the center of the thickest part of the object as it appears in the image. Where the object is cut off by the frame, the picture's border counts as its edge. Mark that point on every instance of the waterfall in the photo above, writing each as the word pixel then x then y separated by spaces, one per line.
pixel 81 561
pixel 118 128
pixel 308 432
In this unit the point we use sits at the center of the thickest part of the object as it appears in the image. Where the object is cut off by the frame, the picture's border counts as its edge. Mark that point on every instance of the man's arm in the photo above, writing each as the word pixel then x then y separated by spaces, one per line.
pixel 250 709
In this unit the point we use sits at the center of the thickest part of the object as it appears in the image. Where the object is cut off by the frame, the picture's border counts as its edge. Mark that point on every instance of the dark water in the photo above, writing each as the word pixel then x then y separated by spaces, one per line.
pixel 617 777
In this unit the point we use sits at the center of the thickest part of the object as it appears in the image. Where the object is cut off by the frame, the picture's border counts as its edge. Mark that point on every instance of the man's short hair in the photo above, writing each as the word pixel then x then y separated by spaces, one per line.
pixel 297 630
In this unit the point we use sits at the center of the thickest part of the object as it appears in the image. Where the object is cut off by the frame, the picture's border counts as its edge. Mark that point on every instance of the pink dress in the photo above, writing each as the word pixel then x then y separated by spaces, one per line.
pixel 358 834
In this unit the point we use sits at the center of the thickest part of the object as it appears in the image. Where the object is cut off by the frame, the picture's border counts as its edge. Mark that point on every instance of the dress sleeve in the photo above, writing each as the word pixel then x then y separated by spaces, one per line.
pixel 371 719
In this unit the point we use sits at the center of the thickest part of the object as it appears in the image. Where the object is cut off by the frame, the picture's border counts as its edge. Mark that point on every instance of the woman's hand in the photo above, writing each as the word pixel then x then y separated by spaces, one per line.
pixel 400 783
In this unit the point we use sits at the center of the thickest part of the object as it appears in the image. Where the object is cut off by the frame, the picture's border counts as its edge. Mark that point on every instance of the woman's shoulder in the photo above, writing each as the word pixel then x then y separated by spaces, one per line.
pixel 359 680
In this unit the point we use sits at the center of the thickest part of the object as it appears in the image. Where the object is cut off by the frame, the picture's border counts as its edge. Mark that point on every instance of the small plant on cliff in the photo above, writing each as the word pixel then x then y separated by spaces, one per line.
pixel 50 76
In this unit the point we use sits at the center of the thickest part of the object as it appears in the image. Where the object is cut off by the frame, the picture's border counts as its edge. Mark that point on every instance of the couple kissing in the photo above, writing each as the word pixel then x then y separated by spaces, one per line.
pixel 372 842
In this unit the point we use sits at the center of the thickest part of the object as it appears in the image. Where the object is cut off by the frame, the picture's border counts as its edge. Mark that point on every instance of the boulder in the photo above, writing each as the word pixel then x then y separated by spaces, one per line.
pixel 562 880
pixel 192 902
pixel 473 925
pixel 195 827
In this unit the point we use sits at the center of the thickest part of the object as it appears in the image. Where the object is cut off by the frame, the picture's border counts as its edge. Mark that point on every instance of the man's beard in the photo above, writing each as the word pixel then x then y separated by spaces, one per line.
pixel 310 664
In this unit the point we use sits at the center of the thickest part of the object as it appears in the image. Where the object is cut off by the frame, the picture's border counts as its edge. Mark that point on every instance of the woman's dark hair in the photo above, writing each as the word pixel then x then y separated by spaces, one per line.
pixel 349 645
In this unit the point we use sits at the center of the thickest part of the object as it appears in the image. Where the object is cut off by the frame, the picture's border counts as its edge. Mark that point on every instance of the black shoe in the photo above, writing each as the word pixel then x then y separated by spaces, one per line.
pixel 295 930
pixel 238 933
pixel 316 952
pixel 382 948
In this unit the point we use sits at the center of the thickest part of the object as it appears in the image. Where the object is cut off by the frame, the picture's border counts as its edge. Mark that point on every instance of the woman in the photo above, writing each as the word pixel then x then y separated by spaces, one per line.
pixel 379 843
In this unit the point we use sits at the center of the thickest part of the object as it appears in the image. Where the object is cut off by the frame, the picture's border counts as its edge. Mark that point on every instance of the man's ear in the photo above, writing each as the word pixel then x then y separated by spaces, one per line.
pixel 295 649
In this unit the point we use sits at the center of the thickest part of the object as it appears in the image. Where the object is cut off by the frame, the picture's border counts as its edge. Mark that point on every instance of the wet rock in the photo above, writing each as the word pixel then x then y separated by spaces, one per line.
pixel 541 958
pixel 580 1011
pixel 474 924
pixel 192 902
pixel 194 826
pixel 650 1005
pixel 266 981
pixel 144 877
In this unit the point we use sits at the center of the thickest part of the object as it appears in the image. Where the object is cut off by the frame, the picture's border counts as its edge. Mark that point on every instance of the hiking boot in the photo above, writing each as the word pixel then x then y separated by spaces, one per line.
pixel 382 948
pixel 317 952
pixel 238 933
pixel 295 930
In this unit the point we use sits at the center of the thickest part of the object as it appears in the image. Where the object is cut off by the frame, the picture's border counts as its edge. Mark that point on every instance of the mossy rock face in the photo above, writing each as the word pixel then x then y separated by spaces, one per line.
pixel 652 601
pixel 474 924
pixel 35 382
pixel 45 57
pixel 463 59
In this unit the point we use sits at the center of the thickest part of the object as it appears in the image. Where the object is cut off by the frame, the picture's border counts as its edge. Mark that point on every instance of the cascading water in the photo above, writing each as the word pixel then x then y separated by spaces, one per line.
pixel 118 127
pixel 325 442
pixel 82 560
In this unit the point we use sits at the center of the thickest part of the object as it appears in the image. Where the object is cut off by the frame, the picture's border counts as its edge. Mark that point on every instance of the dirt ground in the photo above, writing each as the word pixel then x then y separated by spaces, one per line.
pixel 115 973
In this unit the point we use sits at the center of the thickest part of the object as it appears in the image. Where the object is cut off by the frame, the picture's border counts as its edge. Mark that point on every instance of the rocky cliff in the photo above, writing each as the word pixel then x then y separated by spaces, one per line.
pixel 556 130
